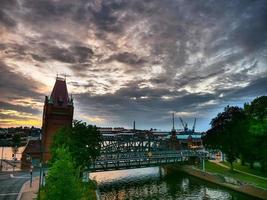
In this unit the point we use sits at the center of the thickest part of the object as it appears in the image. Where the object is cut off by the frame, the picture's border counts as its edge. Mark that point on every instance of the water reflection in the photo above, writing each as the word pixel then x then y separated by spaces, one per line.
pixel 149 183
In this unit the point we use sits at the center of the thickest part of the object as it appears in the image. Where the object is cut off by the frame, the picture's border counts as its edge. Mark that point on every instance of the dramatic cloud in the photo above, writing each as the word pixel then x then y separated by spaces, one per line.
pixel 132 60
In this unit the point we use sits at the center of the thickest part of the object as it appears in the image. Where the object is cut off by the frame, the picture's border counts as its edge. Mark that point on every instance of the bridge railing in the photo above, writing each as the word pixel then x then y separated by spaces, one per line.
pixel 141 159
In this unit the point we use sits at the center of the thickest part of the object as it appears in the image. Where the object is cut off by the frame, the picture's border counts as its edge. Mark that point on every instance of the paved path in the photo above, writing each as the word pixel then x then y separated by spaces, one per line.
pixel 29 193
pixel 11 183
pixel 225 166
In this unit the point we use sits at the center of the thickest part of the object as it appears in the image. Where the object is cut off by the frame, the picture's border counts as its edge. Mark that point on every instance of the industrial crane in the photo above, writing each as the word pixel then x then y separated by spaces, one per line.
pixel 185 126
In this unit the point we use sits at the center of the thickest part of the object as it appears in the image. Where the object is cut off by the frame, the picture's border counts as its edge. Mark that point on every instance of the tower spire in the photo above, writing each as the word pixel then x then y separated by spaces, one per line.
pixel 59 94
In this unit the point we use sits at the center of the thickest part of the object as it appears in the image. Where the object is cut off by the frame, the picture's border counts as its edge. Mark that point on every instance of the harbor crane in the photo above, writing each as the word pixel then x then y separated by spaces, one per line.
pixel 185 126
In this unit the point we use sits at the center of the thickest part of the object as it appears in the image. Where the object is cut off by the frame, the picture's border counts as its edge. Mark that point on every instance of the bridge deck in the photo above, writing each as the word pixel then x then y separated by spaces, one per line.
pixel 126 160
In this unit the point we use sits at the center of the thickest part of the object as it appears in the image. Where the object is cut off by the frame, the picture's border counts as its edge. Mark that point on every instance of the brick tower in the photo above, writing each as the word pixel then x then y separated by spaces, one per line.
pixel 58 112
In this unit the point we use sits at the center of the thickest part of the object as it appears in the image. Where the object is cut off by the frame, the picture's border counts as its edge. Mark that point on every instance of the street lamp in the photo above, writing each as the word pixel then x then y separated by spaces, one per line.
pixel 43 177
pixel 29 158
pixel 31 175
pixel 1 166
pixel 41 166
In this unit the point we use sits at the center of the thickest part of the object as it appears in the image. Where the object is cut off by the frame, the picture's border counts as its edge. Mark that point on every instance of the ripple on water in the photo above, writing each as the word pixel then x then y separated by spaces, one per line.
pixel 147 184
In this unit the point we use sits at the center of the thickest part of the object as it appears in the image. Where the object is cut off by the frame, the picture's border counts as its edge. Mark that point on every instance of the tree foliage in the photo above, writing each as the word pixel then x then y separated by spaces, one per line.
pixel 83 142
pixel 62 181
pixel 241 133
pixel 227 133
pixel 256 111
pixel 16 140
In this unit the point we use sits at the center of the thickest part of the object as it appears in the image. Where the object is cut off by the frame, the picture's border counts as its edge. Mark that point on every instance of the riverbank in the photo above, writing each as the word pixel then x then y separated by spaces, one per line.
pixel 251 178
pixel 224 181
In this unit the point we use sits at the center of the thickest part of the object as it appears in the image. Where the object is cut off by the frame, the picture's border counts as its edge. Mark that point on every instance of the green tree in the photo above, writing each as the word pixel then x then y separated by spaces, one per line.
pixel 83 142
pixel 256 111
pixel 248 152
pixel 227 133
pixel 16 140
pixel 62 181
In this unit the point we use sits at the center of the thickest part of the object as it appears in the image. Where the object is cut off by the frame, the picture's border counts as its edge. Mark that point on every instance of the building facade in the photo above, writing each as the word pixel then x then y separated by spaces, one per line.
pixel 57 113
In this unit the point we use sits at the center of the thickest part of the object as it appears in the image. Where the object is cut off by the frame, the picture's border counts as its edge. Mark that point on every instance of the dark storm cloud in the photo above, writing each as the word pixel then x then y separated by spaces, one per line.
pixel 47 9
pixel 129 105
pixel 254 89
pixel 60 54
pixel 19 96
pixel 6 20
pixel 38 57
pixel 73 54
pixel 82 53
pixel 243 24
pixel 19 108
pixel 17 86
pixel 127 58
pixel 251 33
pixel 12 50
pixel 104 18
pixel 171 55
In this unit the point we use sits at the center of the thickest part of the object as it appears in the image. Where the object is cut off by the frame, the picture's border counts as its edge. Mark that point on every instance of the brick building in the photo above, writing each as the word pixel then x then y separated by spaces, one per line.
pixel 57 113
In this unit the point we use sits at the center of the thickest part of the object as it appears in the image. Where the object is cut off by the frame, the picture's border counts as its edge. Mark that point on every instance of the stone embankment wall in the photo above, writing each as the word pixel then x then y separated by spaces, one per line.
pixel 226 182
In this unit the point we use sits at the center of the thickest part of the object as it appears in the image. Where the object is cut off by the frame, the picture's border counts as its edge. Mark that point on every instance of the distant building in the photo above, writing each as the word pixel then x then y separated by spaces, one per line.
pixel 192 141
pixel 110 130
pixel 31 154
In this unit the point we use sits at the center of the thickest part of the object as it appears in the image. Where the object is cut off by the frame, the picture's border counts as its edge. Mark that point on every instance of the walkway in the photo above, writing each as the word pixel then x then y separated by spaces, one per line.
pixel 225 166
pixel 29 193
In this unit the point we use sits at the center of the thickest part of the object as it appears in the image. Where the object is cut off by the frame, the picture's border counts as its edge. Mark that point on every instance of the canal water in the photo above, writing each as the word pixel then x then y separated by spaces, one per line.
pixel 151 183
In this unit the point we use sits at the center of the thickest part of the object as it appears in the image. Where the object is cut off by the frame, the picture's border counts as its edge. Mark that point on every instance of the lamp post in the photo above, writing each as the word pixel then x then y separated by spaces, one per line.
pixel 2 154
pixel 43 174
pixel 29 158
pixel 41 167
pixel 31 175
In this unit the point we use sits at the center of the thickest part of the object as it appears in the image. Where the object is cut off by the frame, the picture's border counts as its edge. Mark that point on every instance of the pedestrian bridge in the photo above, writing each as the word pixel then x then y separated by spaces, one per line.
pixel 131 151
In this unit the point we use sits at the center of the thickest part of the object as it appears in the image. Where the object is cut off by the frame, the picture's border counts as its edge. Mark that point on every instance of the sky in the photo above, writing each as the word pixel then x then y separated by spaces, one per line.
pixel 127 60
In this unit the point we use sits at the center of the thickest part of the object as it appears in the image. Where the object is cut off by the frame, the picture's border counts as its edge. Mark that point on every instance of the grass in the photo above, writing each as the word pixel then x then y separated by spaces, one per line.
pixel 214 168
pixel 246 168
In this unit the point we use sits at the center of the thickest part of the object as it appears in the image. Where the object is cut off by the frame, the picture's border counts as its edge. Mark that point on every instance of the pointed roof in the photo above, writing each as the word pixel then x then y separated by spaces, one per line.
pixel 59 95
